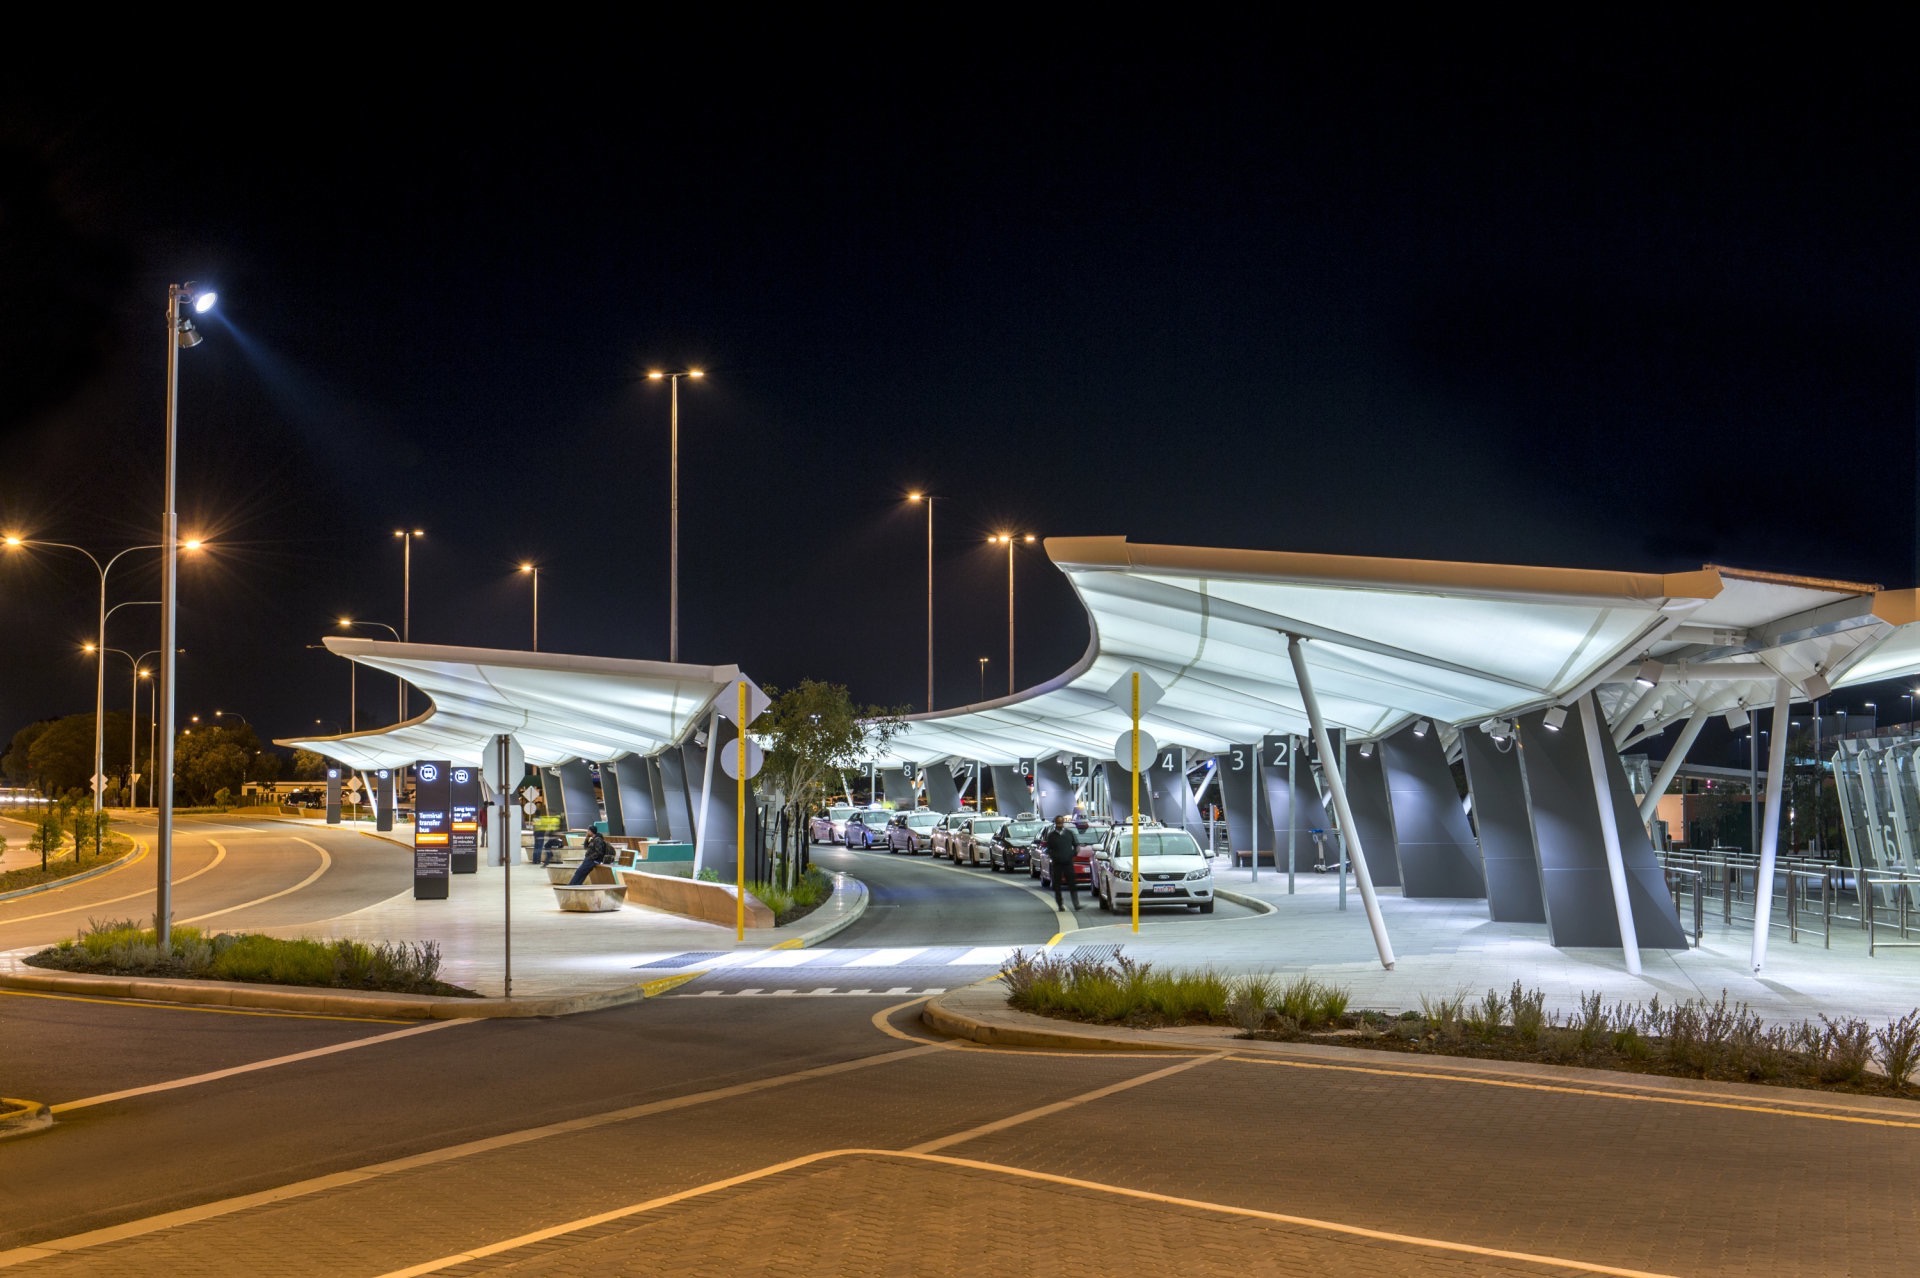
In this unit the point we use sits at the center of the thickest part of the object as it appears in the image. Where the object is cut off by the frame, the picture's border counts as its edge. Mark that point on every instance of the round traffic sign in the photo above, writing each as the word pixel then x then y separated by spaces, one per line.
pixel 1123 749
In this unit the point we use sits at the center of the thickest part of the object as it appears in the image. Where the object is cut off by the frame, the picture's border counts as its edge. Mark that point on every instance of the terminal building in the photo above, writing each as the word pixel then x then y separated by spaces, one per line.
pixel 1450 730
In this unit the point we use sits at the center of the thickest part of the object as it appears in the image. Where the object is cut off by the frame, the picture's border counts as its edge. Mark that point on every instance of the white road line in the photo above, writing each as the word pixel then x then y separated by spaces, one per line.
pixel 220 854
pixel 786 958
pixel 992 955
pixel 196 1079
pixel 825 991
pixel 326 863
pixel 888 957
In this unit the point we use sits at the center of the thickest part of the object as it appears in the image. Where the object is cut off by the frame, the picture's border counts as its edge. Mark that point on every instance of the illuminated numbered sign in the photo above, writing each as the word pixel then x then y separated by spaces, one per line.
pixel 432 830
pixel 911 771
pixel 464 832
pixel 1239 758
pixel 1079 768
pixel 1025 766
pixel 1273 751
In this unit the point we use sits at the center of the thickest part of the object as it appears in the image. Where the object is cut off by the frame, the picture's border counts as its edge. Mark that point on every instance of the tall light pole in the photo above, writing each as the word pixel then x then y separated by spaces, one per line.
pixel 535 570
pixel 406 537
pixel 1009 539
pixel 99 646
pixel 983 678
pixel 133 713
pixel 928 499
pixel 348 623
pixel 181 335
pixel 673 508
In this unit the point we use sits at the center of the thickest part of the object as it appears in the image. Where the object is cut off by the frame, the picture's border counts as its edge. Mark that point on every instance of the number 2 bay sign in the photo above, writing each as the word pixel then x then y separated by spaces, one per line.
pixel 432 829
pixel 464 844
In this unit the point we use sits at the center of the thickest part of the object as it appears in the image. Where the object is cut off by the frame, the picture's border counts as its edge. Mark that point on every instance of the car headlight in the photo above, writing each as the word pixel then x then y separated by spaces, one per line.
pixel 1201 873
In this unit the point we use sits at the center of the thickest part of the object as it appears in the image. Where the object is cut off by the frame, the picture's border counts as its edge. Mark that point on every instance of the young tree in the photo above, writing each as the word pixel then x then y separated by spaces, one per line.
pixel 812 730
pixel 308 765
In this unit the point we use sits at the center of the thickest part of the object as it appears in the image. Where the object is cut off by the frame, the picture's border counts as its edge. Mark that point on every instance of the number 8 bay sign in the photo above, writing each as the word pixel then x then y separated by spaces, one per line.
pixel 432 830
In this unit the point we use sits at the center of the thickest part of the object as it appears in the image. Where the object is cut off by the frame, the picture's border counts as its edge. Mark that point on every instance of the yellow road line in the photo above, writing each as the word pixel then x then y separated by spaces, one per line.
pixel 253 1067
pixel 1122 1191
pixel 200 1007
pixel 1046 1111
pixel 326 863
pixel 660 985
pixel 219 856
pixel 1570 1090
pixel 882 1018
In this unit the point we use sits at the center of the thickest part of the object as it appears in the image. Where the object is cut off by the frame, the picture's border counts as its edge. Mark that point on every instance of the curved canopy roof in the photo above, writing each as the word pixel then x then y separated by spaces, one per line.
pixel 559 707
pixel 1389 641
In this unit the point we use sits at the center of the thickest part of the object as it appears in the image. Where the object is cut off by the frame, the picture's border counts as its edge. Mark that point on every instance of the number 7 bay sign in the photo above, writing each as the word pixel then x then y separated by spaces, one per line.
pixel 432 829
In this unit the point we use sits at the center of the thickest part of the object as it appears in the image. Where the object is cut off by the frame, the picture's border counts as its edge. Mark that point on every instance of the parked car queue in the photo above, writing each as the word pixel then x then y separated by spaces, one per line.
pixel 1174 870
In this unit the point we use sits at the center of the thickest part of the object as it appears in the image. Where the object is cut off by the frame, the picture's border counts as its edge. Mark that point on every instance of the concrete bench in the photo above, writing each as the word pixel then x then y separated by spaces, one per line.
pixel 598 895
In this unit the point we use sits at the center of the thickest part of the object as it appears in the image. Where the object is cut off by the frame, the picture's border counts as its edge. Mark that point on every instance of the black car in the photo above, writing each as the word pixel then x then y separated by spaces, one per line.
pixel 1013 843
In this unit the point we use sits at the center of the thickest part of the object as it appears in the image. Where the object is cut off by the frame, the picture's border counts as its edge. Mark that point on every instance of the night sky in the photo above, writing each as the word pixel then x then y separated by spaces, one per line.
pixel 1616 298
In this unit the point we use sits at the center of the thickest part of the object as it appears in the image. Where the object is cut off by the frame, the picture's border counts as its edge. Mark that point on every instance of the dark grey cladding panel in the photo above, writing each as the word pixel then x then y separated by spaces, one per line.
pixel 895 784
pixel 676 810
pixel 1366 778
pixel 1506 836
pixel 576 783
pixel 1120 791
pixel 1052 791
pixel 942 794
pixel 612 799
pixel 1573 856
pixel 1173 794
pixel 1247 808
pixel 555 798
pixel 636 781
pixel 717 848
pixel 1303 810
pixel 1010 793
pixel 1436 847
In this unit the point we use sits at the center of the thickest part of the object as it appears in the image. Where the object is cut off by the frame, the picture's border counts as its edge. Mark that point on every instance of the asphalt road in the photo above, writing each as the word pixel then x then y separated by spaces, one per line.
pixel 732 1134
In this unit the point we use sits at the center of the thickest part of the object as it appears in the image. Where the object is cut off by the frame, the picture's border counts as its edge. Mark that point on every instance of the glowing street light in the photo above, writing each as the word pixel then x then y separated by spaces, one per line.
pixel 673 509
pixel 1008 539
pixel 928 499
pixel 181 335
pixel 534 569
pixel 348 623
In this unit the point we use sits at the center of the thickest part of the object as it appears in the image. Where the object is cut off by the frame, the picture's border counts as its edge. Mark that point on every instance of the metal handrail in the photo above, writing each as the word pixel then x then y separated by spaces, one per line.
pixel 1903 885
pixel 1695 881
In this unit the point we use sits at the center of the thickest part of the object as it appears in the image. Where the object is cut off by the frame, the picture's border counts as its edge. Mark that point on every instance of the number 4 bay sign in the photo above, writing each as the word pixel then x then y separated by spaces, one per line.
pixel 432 830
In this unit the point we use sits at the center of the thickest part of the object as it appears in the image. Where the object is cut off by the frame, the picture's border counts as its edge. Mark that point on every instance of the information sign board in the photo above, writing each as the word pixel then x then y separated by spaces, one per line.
pixel 383 799
pixel 464 841
pixel 333 796
pixel 432 829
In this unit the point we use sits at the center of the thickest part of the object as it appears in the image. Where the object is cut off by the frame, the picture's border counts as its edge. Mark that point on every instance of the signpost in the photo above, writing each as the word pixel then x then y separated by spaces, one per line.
pixel 742 763
pixel 333 796
pixel 383 799
pixel 1137 693
pixel 507 765
pixel 432 833
pixel 464 842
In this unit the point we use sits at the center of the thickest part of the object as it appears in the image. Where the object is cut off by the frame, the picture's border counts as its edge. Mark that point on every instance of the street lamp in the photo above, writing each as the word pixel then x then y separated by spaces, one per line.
pixel 13 541
pixel 133 728
pixel 181 335
pixel 1009 539
pixel 983 678
pixel 673 508
pixel 348 623
pixel 220 714
pixel 534 569
pixel 406 537
pixel 928 499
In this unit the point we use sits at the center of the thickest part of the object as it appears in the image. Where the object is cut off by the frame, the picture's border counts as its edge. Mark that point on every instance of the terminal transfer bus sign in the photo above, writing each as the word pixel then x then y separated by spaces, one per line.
pixel 432 829
pixel 464 843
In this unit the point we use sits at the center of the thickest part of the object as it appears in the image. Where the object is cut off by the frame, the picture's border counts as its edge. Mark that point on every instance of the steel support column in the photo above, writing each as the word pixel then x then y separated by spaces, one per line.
pixel 1770 830
pixel 1670 767
pixel 1330 768
pixel 1610 831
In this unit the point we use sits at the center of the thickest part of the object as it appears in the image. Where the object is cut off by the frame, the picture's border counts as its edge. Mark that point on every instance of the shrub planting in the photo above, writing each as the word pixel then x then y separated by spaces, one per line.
pixel 1694 1039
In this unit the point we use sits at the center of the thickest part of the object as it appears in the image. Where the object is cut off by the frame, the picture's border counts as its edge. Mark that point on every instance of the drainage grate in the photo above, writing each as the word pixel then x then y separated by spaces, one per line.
pixel 1094 951
pixel 683 960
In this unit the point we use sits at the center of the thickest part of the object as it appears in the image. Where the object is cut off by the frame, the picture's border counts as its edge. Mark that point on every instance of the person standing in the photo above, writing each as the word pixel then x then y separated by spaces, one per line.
pixel 1063 845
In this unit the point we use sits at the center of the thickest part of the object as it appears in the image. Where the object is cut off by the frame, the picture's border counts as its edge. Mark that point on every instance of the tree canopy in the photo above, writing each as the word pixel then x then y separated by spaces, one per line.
pixel 813 730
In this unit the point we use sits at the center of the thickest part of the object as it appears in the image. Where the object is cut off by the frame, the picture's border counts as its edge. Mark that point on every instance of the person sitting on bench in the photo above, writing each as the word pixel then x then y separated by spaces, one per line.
pixel 597 852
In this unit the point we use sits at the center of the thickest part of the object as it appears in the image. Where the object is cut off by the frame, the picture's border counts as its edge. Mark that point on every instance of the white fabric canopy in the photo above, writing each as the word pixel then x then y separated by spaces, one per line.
pixel 558 707
pixel 1394 640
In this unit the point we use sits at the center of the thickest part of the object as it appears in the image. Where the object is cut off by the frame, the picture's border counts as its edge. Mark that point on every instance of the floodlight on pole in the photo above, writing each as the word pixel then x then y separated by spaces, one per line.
pixel 348 623
pixel 534 571
pixel 1008 539
pixel 406 536
pixel 180 336
pixel 673 505
pixel 928 499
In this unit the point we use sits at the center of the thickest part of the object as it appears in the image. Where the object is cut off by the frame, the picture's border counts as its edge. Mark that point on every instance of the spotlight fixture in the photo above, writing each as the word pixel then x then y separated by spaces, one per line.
pixel 1554 719
pixel 1816 686
pixel 1649 673
pixel 1737 717
pixel 1366 750
pixel 1420 729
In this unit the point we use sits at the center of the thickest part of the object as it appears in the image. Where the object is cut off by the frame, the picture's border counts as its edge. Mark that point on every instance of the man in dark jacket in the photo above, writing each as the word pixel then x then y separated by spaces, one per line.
pixel 597 852
pixel 1062 846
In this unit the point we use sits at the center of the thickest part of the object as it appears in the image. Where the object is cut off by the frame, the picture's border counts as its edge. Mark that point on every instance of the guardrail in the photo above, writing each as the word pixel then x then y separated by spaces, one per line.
pixel 1902 885
pixel 1733 875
